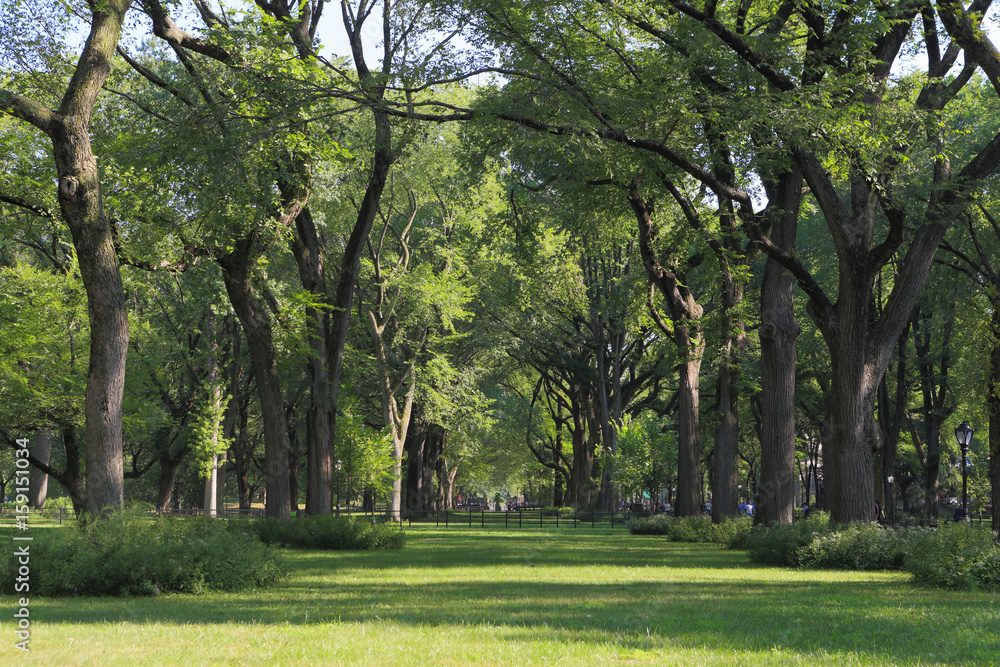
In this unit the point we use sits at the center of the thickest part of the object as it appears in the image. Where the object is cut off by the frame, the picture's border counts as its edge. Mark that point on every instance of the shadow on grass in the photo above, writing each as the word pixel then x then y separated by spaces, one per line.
pixel 635 592
pixel 648 615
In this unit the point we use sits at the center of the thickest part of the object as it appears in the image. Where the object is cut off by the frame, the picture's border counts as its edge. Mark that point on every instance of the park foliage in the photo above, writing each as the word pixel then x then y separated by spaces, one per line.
pixel 329 532
pixel 125 554
pixel 954 555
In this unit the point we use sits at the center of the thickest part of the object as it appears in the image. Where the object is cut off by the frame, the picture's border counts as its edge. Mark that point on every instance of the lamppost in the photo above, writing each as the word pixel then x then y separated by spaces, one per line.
pixel 963 433
pixel 338 466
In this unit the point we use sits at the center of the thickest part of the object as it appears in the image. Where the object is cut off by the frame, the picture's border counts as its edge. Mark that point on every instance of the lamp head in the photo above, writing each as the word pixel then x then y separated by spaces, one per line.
pixel 963 433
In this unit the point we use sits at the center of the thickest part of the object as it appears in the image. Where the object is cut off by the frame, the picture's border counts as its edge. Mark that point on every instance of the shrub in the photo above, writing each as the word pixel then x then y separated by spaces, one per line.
pixel 658 524
pixel 129 555
pixel 731 533
pixel 857 547
pixel 956 555
pixel 779 544
pixel 330 532
pixel 734 533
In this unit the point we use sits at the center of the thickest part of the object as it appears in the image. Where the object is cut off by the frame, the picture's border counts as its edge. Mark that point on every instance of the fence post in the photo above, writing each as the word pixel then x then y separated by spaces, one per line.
pixel 592 518
pixel 541 517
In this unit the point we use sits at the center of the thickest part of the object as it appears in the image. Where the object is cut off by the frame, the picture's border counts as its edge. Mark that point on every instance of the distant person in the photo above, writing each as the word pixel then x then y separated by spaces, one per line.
pixel 806 511
pixel 958 514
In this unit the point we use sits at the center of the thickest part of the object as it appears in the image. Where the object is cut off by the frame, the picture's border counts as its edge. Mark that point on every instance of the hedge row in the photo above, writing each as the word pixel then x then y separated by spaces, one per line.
pixel 329 532
pixel 129 555
pixel 732 533
pixel 954 555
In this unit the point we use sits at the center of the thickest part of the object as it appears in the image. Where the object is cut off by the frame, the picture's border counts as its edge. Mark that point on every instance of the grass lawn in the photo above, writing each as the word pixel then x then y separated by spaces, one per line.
pixel 574 596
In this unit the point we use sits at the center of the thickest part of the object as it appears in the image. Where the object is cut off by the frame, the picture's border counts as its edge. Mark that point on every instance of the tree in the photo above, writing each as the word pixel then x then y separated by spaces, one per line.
pixel 854 134
pixel 983 232
pixel 80 204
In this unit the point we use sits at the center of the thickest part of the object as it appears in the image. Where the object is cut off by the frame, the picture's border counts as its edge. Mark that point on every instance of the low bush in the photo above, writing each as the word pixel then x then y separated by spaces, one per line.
pixel 734 533
pixel 858 547
pixel 731 533
pixel 779 544
pixel 126 554
pixel 329 532
pixel 956 555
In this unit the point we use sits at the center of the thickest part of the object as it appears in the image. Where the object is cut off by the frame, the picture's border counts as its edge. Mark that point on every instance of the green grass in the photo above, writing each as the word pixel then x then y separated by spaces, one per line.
pixel 577 596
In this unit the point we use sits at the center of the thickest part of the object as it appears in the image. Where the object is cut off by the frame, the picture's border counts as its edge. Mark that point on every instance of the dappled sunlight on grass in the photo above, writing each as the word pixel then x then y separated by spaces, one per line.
pixel 520 597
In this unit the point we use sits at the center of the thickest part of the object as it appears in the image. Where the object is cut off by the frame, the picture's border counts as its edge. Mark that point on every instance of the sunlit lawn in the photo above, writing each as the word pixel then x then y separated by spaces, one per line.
pixel 529 596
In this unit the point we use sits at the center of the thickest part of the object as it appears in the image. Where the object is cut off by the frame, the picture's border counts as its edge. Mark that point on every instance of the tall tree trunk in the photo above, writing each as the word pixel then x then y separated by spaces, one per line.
pixel 583 459
pixel 165 483
pixel 416 443
pixel 725 487
pixel 558 484
pixel 689 498
pixel 382 160
pixel 993 406
pixel 212 480
pixel 685 332
pixel 294 455
pixel 936 406
pixel 853 388
pixel 779 330
pixel 308 254
pixel 81 205
pixel 433 451
pixel 257 328
pixel 39 481
pixel 891 422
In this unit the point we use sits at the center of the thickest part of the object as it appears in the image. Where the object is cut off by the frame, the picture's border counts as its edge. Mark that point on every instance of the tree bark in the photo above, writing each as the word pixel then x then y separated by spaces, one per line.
pixel 689 497
pixel 686 334
pixel 308 254
pixel 81 205
pixel 993 406
pixel 39 481
pixel 414 448
pixel 775 501
pixel 165 484
pixel 583 456
pixel 257 328
pixel 725 487
pixel 382 160
pixel 934 393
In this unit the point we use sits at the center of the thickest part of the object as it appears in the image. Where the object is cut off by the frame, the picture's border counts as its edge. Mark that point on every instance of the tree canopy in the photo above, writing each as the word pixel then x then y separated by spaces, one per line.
pixel 592 250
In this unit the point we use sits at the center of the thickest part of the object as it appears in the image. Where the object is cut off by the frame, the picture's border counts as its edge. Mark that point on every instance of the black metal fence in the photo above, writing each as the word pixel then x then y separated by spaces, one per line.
pixel 524 518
